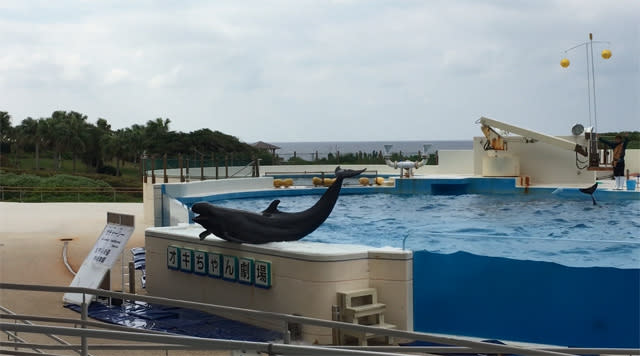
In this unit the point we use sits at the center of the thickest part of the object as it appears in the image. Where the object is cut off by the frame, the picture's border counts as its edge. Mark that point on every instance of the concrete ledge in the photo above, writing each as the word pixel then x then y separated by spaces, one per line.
pixel 304 276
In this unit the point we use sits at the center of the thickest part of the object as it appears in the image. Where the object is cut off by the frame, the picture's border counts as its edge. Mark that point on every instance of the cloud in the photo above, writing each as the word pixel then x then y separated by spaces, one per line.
pixel 309 70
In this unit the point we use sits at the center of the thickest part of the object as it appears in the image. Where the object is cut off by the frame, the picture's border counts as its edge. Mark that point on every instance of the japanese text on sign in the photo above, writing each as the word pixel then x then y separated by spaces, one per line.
pixel 110 244
pixel 231 268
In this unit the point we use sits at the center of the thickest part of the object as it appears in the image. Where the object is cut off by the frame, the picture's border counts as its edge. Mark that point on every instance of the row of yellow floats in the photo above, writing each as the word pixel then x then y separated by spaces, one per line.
pixel 325 182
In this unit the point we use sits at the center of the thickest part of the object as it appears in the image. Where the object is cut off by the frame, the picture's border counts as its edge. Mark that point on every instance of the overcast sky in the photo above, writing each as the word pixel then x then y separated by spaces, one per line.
pixel 301 70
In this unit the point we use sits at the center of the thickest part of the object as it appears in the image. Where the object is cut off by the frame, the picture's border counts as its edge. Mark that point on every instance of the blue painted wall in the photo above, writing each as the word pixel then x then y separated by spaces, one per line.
pixel 540 302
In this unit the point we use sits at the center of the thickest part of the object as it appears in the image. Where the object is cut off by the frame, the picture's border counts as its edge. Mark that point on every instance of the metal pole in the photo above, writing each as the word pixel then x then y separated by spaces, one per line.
pixel 122 271
pixel 593 79
pixel 201 166
pixel 286 334
pixel 586 51
pixel 164 167
pixel 153 170
pixel 213 158
pixel 83 338
pixel 132 278
pixel 335 332
pixel 180 164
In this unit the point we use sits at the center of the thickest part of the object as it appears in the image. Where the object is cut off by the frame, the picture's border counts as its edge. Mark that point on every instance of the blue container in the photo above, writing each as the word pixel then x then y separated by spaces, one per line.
pixel 631 184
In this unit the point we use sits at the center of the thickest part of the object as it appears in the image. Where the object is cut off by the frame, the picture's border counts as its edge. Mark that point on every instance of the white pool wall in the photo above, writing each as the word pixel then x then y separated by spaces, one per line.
pixel 306 277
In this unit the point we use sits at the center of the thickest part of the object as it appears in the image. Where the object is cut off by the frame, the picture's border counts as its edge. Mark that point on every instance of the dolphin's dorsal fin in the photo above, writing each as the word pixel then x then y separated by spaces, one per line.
pixel 272 209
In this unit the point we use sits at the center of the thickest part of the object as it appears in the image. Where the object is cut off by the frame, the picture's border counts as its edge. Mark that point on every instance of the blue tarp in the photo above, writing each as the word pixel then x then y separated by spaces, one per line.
pixel 178 321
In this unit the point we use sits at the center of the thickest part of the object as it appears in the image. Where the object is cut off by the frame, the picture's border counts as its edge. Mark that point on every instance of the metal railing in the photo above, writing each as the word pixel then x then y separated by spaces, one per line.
pixel 165 341
pixel 7 192
pixel 322 173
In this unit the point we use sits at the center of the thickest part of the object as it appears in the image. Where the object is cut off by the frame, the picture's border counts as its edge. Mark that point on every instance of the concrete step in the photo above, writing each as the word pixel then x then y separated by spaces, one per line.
pixel 352 313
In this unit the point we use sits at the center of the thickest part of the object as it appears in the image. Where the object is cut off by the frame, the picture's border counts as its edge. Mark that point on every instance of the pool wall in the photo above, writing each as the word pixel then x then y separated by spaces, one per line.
pixel 543 163
pixel 530 301
pixel 170 202
pixel 304 276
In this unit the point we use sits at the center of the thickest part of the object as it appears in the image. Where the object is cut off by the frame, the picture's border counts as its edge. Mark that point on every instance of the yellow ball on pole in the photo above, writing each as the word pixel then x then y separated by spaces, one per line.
pixel 564 63
pixel 606 54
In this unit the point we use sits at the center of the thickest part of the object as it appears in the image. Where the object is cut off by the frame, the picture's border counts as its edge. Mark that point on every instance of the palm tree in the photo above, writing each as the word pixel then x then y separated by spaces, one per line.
pixel 5 131
pixel 35 133
pixel 155 135
pixel 135 141
pixel 118 147
pixel 70 131
pixel 96 150
pixel 56 133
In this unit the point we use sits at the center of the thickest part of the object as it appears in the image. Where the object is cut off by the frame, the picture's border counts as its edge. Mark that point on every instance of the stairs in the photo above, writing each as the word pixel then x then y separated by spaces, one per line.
pixel 361 307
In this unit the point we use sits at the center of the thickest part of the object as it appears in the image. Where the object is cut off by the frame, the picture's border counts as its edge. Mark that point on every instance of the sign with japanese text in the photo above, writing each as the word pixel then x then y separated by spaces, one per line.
pixel 106 251
pixel 200 262
pixel 172 257
pixel 263 274
pixel 245 270
pixel 186 259
pixel 214 262
pixel 110 244
pixel 230 268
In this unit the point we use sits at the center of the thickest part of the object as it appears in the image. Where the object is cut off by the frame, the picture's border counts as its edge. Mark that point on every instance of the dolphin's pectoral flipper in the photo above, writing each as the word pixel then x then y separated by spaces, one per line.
pixel 204 234
pixel 272 209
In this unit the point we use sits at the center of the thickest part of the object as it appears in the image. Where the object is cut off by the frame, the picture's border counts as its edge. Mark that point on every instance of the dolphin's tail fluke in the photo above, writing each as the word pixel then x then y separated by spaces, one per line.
pixel 590 191
pixel 347 173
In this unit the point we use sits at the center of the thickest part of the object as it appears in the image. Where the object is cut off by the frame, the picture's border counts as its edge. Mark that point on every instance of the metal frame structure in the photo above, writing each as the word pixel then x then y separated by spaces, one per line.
pixel 166 341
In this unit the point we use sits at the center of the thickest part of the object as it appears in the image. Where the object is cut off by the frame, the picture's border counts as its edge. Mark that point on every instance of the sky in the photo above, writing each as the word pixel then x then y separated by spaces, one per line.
pixel 342 70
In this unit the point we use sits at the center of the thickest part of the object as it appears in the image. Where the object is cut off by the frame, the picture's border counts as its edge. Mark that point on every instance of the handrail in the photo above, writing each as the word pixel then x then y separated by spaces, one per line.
pixel 8 188
pixel 27 318
pixel 273 173
pixel 10 313
pixel 286 318
pixel 192 342
pixel 67 190
pixel 252 163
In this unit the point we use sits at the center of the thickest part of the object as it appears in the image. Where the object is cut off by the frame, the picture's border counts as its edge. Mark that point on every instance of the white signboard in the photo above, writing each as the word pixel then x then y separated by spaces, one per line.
pixel 102 257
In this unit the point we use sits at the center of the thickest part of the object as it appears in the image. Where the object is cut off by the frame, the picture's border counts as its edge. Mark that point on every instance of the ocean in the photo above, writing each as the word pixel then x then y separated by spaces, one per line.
pixel 307 150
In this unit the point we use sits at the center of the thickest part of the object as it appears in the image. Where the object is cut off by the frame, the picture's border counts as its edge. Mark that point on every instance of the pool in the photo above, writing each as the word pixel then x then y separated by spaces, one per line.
pixel 540 227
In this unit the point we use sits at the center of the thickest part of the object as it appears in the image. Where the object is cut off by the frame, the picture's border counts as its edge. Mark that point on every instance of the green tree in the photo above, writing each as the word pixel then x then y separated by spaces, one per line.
pixel 156 136
pixel 117 146
pixel 6 130
pixel 135 142
pixel 95 151
pixel 69 132
pixel 35 133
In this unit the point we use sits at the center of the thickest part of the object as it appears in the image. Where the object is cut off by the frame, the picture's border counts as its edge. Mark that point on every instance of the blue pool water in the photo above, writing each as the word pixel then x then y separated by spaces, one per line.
pixel 538 227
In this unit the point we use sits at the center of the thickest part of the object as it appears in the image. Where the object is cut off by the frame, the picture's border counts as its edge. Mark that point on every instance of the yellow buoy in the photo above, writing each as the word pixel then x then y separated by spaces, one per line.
pixel 277 183
pixel 287 182
pixel 379 180
pixel 606 54
pixel 316 181
pixel 565 62
pixel 364 181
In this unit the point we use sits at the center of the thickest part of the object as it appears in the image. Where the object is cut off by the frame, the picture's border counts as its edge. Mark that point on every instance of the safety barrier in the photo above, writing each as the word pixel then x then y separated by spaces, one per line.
pixel 165 341
pixel 65 193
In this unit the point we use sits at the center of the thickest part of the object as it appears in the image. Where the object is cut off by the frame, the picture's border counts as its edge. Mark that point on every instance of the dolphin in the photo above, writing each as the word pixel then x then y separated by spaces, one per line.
pixel 590 191
pixel 270 225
